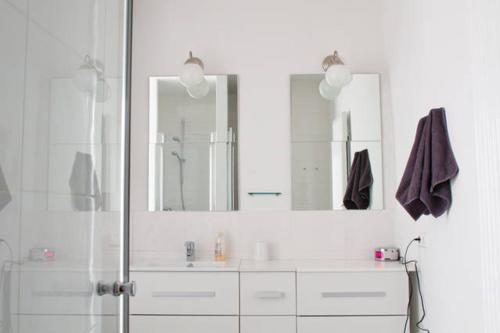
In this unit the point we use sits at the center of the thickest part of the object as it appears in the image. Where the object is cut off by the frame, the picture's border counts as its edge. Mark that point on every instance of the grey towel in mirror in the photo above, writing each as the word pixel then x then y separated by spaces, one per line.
pixel 5 196
pixel 357 194
pixel 83 183
pixel 425 186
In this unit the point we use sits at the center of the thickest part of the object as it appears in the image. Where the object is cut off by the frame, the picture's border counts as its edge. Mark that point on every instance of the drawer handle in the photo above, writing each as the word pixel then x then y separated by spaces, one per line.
pixel 62 293
pixel 269 294
pixel 352 294
pixel 184 294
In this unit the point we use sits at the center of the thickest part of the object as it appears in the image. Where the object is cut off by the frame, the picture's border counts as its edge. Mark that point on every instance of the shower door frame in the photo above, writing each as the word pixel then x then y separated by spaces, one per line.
pixel 126 133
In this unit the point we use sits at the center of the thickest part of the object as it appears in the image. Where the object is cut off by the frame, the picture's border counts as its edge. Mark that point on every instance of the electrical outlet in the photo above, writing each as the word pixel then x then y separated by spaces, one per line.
pixel 423 240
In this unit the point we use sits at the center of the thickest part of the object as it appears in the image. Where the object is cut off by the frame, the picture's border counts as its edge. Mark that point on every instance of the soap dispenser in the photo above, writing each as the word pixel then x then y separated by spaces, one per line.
pixel 220 251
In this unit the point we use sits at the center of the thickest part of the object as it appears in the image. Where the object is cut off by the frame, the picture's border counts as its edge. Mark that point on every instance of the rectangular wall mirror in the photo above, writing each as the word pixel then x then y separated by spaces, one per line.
pixel 193 151
pixel 336 145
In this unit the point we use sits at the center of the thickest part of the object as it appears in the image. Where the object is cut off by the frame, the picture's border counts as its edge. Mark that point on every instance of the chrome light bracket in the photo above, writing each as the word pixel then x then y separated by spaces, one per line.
pixel 332 59
pixel 194 60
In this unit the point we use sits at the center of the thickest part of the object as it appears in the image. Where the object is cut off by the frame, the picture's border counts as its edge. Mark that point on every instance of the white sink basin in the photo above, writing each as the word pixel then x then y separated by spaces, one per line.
pixel 197 264
pixel 180 266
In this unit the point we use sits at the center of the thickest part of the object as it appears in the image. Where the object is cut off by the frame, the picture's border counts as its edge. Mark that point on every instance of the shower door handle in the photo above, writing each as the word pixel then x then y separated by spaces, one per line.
pixel 116 289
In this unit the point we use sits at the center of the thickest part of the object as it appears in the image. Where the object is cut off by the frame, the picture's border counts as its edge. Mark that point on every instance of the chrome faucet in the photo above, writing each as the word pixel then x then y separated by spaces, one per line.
pixel 189 250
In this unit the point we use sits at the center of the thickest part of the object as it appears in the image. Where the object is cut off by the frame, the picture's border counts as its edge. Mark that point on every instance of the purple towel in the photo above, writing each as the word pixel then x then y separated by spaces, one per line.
pixel 425 187
pixel 357 194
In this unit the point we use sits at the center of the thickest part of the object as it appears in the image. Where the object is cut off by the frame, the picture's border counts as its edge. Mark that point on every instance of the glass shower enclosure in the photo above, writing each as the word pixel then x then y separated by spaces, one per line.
pixel 64 82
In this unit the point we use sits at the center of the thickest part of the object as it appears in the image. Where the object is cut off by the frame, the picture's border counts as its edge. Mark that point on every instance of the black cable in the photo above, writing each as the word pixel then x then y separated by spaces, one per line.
pixel 410 298
pixel 421 302
pixel 414 262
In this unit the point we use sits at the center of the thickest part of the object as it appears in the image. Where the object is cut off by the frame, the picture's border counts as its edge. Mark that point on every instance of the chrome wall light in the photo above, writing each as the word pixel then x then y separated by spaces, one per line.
pixel 192 76
pixel 337 76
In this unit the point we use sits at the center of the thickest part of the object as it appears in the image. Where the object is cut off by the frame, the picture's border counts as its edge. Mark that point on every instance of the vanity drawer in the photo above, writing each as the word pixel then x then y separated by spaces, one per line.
pixel 359 293
pixel 183 324
pixel 382 324
pixel 185 293
pixel 267 293
pixel 268 324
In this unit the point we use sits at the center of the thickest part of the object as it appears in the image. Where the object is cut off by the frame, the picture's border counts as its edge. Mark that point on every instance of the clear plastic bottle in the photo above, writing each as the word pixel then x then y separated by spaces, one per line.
pixel 220 251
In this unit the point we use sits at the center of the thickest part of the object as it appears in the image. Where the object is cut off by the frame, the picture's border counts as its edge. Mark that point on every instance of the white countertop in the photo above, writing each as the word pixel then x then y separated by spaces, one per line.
pixel 248 265
pixel 300 266
pixel 348 266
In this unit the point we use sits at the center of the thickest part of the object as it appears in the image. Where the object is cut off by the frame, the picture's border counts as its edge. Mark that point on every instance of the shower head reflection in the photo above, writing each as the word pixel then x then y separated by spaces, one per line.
pixel 176 154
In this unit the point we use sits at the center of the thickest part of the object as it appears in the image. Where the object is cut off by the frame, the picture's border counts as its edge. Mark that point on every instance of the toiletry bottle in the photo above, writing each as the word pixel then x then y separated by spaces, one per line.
pixel 220 251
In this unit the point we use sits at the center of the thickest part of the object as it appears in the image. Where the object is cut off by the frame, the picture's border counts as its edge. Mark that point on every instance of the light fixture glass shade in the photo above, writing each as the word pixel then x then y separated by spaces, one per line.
pixel 327 91
pixel 200 90
pixel 338 76
pixel 191 75
pixel 102 91
pixel 85 78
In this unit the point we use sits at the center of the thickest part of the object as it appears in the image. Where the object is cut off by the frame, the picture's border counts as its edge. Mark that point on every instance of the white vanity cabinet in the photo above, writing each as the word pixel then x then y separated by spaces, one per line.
pixel 352 294
pixel 272 297
pixel 183 324
pixel 268 324
pixel 185 302
pixel 267 294
pixel 186 293
pixel 351 301
pixel 351 324
pixel 268 302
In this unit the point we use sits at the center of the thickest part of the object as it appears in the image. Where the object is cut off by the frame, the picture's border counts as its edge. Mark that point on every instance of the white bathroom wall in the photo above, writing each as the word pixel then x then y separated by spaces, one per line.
pixel 445 54
pixel 263 42
pixel 486 80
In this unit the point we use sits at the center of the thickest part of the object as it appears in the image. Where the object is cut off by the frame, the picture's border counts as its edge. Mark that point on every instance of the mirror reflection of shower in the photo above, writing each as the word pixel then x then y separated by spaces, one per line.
pixel 181 160
pixel 193 146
